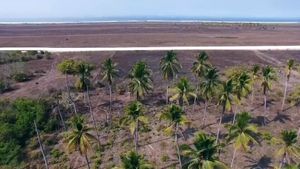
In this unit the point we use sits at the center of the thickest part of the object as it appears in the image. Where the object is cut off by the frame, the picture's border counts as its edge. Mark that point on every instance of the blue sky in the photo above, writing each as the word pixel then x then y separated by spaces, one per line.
pixel 142 8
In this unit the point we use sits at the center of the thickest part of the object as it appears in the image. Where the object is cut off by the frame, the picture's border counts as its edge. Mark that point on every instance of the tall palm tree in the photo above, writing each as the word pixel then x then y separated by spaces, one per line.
pixel 69 67
pixel 169 66
pixel 175 116
pixel 80 138
pixel 140 79
pixel 182 92
pixel 242 87
pixel 109 73
pixel 209 86
pixel 134 119
pixel 199 68
pixel 254 76
pixel 201 64
pixel 268 75
pixel 132 160
pixel 289 67
pixel 242 134
pixel 225 101
pixel 290 147
pixel 203 153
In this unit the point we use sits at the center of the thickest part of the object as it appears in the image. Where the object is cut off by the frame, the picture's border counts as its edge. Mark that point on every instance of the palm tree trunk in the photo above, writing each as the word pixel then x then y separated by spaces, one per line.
pixel 87 162
pixel 110 103
pixel 233 157
pixel 136 136
pixel 92 114
pixel 177 146
pixel 167 94
pixel 284 95
pixel 283 161
pixel 234 114
pixel 61 117
pixel 252 94
pixel 220 123
pixel 41 145
pixel 195 99
pixel 265 107
pixel 205 112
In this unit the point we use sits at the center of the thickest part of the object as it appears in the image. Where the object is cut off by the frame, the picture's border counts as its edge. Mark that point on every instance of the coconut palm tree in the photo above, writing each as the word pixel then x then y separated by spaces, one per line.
pixel 242 134
pixel 203 153
pixel 254 77
pixel 140 79
pixel 209 86
pixel 289 148
pixel 169 66
pixel 68 67
pixel 294 99
pixel 84 72
pixel 289 67
pixel 225 101
pixel 182 91
pixel 132 160
pixel 80 138
pixel 174 115
pixel 268 75
pixel 242 87
pixel 134 119
pixel 199 67
pixel 109 73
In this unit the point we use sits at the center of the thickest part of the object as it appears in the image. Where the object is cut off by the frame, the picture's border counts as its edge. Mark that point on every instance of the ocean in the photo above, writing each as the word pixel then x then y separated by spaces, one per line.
pixel 146 20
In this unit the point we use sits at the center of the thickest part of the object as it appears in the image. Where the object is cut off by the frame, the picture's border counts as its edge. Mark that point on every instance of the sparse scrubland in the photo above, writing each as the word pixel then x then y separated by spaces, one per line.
pixel 169 111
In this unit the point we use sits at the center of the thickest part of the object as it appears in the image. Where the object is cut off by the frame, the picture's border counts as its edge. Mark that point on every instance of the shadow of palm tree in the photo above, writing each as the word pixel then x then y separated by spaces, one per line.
pixel 282 118
pixel 227 118
pixel 262 163
pixel 189 132
pixel 260 120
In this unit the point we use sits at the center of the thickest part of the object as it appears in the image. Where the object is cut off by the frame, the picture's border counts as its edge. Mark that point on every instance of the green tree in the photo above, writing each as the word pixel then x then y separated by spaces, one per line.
pixel 174 115
pixel 140 80
pixel 242 133
pixel 109 73
pixel 199 68
pixel 268 75
pixel 134 119
pixel 289 67
pixel 203 153
pixel 68 67
pixel 80 138
pixel 242 87
pixel 254 77
pixel 225 101
pixel 84 72
pixel 289 148
pixel 209 86
pixel 169 66
pixel 182 92
pixel 132 160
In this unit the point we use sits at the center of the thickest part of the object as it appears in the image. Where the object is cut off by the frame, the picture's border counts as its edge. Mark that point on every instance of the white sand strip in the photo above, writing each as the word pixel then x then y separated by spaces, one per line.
pixel 87 49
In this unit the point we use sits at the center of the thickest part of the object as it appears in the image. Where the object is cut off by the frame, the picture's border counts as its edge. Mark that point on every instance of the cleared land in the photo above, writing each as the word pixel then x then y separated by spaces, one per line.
pixel 147 34
pixel 155 145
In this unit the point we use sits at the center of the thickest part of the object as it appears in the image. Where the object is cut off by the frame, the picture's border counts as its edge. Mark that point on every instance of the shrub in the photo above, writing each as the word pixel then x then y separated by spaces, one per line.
pixel 4 86
pixel 21 77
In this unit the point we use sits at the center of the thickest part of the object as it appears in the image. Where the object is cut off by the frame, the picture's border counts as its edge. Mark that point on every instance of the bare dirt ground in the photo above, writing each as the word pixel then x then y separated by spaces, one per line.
pixel 155 145
pixel 147 34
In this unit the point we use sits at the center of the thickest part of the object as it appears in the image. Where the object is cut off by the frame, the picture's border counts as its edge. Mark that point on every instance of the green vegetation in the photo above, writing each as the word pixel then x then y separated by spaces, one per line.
pixel 35 133
pixel 10 57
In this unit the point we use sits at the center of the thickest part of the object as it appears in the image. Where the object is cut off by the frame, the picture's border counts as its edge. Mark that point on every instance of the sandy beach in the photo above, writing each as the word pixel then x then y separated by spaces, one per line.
pixel 148 34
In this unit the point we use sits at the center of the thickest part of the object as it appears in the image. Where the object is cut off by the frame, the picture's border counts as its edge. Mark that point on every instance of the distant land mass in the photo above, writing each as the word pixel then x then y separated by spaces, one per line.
pixel 146 19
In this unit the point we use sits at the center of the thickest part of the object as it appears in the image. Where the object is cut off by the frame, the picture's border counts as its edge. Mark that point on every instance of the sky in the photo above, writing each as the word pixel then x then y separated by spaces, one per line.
pixel 26 9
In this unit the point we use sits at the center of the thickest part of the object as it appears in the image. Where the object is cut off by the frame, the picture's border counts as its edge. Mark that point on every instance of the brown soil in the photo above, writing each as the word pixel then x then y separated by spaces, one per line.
pixel 147 34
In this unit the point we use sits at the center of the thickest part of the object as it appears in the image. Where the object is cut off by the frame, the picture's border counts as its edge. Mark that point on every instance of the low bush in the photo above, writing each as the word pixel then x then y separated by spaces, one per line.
pixel 21 77
pixel 4 86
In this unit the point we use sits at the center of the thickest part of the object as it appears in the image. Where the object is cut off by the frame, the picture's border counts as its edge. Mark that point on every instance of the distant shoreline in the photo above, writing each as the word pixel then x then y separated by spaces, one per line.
pixel 146 21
